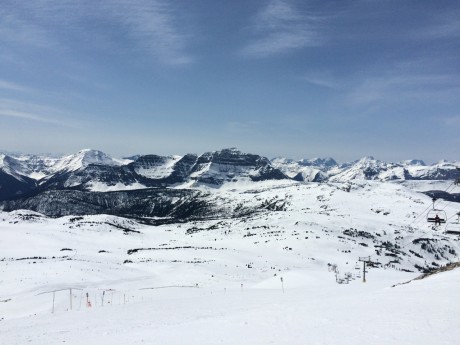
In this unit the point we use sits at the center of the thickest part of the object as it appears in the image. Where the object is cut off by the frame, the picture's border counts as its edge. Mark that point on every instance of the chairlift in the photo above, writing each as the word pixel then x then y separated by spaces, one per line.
pixel 436 216
pixel 453 228
pixel 441 214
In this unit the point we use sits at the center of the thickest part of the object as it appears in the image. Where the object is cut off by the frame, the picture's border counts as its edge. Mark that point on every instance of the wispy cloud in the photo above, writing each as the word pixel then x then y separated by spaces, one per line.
pixel 325 80
pixel 390 88
pixel 279 27
pixel 445 25
pixel 152 26
pixel 25 115
pixel 8 85
pixel 21 31
pixel 33 112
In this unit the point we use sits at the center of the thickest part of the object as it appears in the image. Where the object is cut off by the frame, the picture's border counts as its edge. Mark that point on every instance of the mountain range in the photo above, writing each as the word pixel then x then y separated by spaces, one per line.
pixel 84 178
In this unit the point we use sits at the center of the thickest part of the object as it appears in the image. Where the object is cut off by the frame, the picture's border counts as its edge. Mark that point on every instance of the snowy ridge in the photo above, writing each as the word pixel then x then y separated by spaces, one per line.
pixel 13 167
pixel 82 159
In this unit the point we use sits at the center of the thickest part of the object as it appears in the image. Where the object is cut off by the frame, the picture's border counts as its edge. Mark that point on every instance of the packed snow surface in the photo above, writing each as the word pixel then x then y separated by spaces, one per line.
pixel 421 312
pixel 275 276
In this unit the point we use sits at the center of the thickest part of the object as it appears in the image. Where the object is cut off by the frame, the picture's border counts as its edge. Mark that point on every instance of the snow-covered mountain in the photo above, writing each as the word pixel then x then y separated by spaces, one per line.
pixel 231 165
pixel 369 168
pixel 93 170
pixel 96 171
pixel 366 168
pixel 84 158
pixel 308 170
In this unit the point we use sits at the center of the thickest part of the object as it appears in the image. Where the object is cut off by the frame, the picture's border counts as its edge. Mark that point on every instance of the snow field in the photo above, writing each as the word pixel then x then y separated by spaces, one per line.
pixel 219 281
pixel 421 312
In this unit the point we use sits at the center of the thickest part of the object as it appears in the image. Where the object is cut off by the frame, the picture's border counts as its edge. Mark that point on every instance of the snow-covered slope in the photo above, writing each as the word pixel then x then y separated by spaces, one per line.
pixel 310 311
pixel 13 167
pixel 37 166
pixel 155 167
pixel 154 282
pixel 82 159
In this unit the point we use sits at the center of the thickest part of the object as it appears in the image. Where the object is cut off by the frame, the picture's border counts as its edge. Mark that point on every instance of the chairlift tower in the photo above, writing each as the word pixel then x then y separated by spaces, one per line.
pixel 364 260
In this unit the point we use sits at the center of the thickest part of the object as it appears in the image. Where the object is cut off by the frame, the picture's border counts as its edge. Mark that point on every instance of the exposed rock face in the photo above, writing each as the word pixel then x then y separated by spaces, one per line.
pixel 12 187
pixel 229 165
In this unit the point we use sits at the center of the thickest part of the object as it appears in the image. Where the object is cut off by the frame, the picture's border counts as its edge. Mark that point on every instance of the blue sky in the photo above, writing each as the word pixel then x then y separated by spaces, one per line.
pixel 280 78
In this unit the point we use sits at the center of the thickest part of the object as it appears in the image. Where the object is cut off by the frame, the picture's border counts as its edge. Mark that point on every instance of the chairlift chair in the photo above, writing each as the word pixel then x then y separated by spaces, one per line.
pixel 431 216
pixel 434 214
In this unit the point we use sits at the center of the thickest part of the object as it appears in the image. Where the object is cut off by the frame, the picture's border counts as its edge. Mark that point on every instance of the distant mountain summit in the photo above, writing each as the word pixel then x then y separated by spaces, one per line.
pixel 231 165
pixel 84 158
pixel 323 163
pixel 308 170
pixel 417 162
